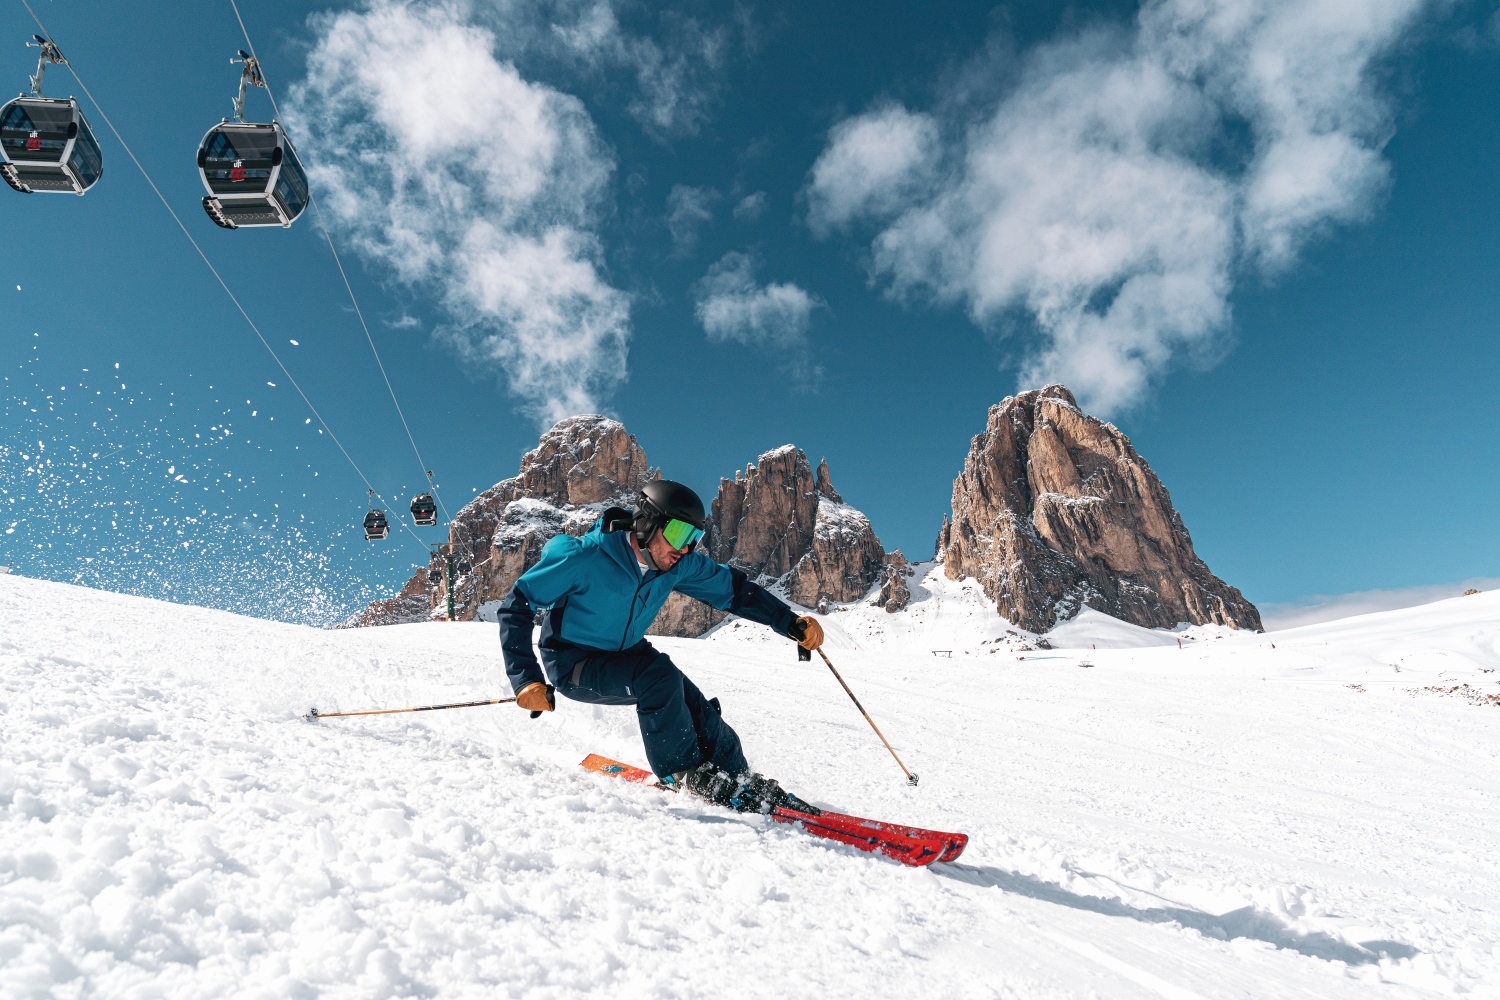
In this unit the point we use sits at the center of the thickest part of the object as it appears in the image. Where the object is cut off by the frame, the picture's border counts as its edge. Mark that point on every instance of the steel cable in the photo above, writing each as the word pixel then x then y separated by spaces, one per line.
pixel 215 271
pixel 313 198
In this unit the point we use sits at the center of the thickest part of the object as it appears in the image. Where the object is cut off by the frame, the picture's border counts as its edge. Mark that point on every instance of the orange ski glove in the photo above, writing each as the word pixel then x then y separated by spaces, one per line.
pixel 536 698
pixel 807 632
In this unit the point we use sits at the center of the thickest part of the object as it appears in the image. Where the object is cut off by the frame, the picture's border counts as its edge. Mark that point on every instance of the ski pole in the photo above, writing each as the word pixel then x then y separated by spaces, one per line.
pixel 314 715
pixel 911 779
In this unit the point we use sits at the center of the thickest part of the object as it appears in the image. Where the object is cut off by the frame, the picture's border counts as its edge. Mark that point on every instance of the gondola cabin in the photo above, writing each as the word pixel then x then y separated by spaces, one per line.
pixel 376 526
pixel 48 147
pixel 423 510
pixel 252 176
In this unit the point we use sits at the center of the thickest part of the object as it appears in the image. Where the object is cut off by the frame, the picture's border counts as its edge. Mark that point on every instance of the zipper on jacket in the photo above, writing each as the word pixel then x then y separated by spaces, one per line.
pixel 631 616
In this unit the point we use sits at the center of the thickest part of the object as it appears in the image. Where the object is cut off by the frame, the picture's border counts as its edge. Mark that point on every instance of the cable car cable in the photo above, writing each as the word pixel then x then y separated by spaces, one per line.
pixel 167 205
pixel 347 286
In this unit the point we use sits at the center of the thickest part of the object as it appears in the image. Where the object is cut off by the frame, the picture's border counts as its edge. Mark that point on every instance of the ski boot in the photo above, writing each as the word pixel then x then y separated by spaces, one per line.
pixel 748 792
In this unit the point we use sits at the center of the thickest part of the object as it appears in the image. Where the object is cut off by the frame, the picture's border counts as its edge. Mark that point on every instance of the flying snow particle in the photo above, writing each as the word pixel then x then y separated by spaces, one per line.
pixel 308 420
pixel 271 384
pixel 295 344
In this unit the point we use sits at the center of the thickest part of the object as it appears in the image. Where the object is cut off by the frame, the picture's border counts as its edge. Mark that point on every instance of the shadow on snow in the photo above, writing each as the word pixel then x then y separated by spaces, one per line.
pixel 1246 922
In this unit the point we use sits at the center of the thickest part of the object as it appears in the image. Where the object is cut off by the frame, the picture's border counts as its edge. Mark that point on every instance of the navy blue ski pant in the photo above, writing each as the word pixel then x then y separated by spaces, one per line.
pixel 680 727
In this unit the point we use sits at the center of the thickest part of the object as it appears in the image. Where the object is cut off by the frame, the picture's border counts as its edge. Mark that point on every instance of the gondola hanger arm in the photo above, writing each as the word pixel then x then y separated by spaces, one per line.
pixel 50 55
pixel 250 76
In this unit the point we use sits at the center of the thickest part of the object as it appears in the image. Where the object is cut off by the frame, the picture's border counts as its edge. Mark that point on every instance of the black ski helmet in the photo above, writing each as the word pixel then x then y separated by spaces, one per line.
pixel 660 501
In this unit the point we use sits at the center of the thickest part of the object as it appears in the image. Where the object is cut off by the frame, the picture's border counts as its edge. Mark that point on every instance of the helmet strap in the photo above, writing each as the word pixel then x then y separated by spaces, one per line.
pixel 647 520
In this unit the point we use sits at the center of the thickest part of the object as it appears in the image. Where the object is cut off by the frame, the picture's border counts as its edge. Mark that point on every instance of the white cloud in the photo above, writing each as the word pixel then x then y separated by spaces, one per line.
pixel 455 173
pixel 1120 188
pixel 1312 610
pixel 872 164
pixel 676 78
pixel 688 208
pixel 751 207
pixel 732 305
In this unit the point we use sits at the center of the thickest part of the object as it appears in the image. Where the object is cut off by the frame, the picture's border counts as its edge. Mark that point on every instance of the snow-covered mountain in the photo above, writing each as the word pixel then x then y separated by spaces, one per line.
pixel 778 520
pixel 1054 511
pixel 1301 813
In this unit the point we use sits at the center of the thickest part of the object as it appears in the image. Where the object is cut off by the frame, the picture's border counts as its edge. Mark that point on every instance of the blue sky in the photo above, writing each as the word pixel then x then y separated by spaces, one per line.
pixel 1262 242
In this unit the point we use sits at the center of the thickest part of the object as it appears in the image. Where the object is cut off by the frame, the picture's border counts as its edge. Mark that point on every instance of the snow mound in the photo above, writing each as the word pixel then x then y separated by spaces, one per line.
pixel 1090 629
pixel 1093 629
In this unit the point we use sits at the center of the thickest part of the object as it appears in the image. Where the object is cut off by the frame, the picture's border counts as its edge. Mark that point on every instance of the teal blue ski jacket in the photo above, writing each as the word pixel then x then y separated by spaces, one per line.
pixel 596 598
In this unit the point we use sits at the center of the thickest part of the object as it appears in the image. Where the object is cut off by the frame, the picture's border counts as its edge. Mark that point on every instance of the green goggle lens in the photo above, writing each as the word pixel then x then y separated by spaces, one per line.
pixel 680 534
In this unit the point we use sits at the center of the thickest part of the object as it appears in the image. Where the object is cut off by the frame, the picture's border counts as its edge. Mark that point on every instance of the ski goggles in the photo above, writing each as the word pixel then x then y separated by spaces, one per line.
pixel 679 534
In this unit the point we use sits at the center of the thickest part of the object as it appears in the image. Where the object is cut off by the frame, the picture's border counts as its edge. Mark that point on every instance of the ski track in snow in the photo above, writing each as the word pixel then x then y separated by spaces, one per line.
pixel 1223 820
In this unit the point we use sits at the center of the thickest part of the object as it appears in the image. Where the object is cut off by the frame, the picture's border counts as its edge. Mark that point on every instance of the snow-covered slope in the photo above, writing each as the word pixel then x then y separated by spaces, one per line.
pixel 1228 819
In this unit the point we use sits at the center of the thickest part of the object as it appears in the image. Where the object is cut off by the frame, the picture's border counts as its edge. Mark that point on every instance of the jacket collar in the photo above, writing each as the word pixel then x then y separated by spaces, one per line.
pixel 617 544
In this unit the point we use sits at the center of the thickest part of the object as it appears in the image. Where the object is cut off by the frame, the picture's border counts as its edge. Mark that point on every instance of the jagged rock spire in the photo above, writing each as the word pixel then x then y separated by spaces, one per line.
pixel 1055 509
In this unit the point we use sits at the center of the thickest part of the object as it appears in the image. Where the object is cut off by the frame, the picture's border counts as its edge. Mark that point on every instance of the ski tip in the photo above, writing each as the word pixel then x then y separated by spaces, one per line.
pixel 956 844
pixel 614 769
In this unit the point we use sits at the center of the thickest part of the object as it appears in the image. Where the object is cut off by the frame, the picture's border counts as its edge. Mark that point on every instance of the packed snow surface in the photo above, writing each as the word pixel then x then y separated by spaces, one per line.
pixel 1227 818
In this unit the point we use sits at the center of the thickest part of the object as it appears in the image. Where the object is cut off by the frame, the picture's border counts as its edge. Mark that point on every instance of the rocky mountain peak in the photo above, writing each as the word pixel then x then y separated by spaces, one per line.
pixel 583 460
pixel 580 466
pixel 784 525
pixel 1055 509
pixel 781 522
pixel 824 483
pixel 778 520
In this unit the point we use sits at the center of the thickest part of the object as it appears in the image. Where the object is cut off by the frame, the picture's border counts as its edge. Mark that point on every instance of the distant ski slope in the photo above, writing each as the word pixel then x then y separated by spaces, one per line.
pixel 1221 820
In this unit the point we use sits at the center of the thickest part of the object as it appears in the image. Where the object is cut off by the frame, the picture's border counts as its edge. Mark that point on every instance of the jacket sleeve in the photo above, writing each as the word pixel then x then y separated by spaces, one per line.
pixel 516 625
pixel 543 586
pixel 731 590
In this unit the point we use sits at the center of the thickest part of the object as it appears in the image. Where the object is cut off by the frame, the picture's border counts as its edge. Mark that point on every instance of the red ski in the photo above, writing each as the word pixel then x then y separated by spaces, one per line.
pixel 909 845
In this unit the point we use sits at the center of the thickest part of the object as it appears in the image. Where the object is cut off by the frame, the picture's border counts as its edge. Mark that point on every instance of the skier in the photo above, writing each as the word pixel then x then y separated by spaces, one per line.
pixel 598 594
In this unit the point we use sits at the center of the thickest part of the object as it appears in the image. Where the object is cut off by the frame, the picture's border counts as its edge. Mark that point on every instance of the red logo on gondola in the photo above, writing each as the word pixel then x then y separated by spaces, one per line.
pixel 33 141
pixel 237 172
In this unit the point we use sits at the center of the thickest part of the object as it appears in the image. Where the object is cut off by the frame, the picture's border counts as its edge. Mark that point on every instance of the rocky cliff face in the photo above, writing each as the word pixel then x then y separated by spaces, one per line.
pixel 1054 509
pixel 581 466
pixel 779 521
pixel 894 594
pixel 782 523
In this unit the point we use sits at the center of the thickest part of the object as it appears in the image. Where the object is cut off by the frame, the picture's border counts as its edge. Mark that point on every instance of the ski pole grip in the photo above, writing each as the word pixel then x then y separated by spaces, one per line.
pixel 551 702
